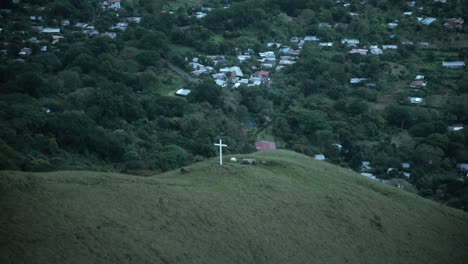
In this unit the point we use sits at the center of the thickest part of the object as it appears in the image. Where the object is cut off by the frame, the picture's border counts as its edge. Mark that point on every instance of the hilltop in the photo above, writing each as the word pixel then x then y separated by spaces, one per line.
pixel 289 209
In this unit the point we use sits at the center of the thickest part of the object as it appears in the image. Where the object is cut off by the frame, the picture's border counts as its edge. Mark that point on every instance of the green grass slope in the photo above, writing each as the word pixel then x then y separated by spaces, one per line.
pixel 292 209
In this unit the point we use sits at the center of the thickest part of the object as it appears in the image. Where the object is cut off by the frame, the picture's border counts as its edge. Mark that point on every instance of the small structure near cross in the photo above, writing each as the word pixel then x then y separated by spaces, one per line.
pixel 221 145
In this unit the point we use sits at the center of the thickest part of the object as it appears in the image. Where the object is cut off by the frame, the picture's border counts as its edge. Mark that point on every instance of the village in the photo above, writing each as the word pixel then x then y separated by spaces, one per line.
pixel 249 68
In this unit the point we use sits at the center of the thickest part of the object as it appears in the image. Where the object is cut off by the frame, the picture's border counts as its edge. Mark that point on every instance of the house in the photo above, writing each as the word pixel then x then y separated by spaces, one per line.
pixel 392 47
pixel 350 41
pixel 311 38
pixel 415 100
pixel 375 50
pixel 268 55
pixel 183 92
pixel 392 25
pixel 243 57
pixel 326 44
pixel 419 77
pixel 262 74
pixel 65 22
pixel 110 34
pixel 427 21
pixel 295 39
pixel 122 26
pixel 462 166
pixel 454 23
pixel 453 64
pixel 369 175
pixel 25 52
pixel 319 157
pixel 56 39
pixel 200 15
pixel 114 4
pixel 134 19
pixel 440 1
pixel 81 25
pixel 357 80
pixel 418 84
pixel 424 44
pixel 265 145
pixel 44 48
pixel 286 62
pixel 235 71
pixel 51 30
pixel 405 165
pixel 407 174
pixel 273 44
pixel 365 166
pixel 324 25
pixel 411 3
pixel 221 83
pixel 455 128
pixel 359 51
pixel 408 13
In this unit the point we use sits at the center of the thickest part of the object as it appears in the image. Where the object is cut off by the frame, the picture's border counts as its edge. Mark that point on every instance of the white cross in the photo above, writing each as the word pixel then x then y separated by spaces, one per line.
pixel 221 145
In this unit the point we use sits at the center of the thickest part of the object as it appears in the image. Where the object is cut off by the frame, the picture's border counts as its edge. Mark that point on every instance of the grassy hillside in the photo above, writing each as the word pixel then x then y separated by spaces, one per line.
pixel 290 209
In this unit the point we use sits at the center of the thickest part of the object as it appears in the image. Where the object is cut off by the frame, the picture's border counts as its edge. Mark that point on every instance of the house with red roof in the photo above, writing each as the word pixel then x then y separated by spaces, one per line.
pixel 265 145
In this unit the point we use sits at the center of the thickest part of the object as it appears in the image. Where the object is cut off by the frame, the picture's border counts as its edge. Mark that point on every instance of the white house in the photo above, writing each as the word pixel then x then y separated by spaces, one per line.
pixel 350 41
pixel 357 80
pixel 319 157
pixel 326 44
pixel 427 21
pixel 453 64
pixel 416 100
pixel 183 92
pixel 455 128
pixel 50 30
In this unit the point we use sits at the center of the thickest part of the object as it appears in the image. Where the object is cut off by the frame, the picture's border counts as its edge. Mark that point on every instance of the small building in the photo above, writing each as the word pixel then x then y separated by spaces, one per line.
pixel 365 166
pixel 114 4
pixel 324 25
pixel 427 21
pixel 375 50
pixel 265 145
pixel 326 44
pixel 357 80
pixel 455 127
pixel 391 47
pixel 392 25
pixel 319 157
pixel 453 64
pixel 25 52
pixel 419 77
pixel 295 39
pixel 369 175
pixel 50 30
pixel 183 92
pixel 415 100
pixel 200 15
pixel 408 13
pixel 418 84
pixel 454 23
pixel 405 165
pixel 262 74
pixel 350 41
pixel 462 166
pixel 311 38
pixel 359 51
pixel 65 22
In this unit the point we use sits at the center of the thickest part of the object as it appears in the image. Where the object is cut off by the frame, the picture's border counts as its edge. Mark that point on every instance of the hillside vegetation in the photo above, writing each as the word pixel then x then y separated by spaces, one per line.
pixel 288 209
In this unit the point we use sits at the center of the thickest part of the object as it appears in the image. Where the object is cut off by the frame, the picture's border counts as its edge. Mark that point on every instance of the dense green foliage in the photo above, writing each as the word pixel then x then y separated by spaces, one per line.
pixel 93 102
pixel 288 209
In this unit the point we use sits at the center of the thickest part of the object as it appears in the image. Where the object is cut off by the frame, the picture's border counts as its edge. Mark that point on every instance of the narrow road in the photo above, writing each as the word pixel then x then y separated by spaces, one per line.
pixel 182 73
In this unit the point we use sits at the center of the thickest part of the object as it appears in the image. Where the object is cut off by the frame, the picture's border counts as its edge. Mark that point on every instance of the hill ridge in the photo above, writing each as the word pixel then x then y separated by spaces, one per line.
pixel 290 209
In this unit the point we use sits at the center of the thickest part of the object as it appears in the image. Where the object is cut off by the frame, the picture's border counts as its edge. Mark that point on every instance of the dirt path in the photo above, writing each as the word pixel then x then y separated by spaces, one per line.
pixel 182 73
